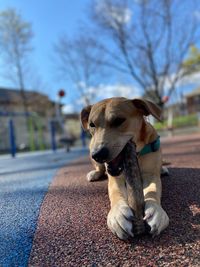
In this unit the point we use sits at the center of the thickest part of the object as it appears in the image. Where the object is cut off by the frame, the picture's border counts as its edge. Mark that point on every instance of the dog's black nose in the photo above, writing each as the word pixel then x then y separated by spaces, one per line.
pixel 100 155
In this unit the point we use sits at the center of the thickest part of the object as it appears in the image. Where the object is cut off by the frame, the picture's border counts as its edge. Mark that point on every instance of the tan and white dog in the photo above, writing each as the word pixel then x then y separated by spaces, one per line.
pixel 112 123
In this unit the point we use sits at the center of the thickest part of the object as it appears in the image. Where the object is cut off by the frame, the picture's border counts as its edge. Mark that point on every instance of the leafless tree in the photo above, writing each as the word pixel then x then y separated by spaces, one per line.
pixel 15 44
pixel 75 61
pixel 146 39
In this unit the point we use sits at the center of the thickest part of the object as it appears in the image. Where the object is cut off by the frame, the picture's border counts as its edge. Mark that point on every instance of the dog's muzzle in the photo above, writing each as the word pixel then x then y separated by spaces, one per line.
pixel 116 166
pixel 100 155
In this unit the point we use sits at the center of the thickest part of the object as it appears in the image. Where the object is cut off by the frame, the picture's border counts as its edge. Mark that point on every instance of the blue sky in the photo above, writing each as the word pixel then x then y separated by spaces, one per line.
pixel 49 19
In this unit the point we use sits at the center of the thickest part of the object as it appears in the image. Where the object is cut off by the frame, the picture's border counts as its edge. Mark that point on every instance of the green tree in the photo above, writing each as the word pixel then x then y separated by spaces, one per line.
pixel 15 44
pixel 192 62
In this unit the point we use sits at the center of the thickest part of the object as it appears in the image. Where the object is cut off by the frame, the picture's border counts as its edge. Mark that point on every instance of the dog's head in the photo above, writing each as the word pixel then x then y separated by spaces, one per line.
pixel 112 123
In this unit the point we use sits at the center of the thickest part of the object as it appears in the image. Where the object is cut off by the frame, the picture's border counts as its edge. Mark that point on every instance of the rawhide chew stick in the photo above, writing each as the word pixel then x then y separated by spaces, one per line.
pixel 134 187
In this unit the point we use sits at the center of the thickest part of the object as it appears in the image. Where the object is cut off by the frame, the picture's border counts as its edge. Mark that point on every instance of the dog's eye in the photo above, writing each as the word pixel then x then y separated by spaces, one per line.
pixel 92 124
pixel 117 122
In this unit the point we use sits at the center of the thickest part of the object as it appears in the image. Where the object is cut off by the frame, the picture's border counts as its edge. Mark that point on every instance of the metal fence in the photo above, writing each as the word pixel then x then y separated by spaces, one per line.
pixel 31 132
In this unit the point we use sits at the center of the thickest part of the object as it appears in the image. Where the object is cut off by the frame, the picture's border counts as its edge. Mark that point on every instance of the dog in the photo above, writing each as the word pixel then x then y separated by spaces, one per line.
pixel 112 123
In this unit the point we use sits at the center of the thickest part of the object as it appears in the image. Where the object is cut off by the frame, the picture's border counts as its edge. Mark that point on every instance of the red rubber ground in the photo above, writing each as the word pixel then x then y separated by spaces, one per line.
pixel 72 227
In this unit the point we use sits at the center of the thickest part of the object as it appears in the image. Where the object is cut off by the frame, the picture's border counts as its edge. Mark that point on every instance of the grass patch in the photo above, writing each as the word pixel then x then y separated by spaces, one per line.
pixel 179 122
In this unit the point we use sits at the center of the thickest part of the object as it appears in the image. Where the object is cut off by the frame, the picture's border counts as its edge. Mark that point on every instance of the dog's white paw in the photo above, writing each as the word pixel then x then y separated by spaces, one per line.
pixel 164 171
pixel 155 217
pixel 93 175
pixel 120 220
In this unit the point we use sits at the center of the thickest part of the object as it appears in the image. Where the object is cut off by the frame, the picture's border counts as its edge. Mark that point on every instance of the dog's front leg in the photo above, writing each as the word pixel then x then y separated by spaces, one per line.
pixel 97 173
pixel 155 215
pixel 120 216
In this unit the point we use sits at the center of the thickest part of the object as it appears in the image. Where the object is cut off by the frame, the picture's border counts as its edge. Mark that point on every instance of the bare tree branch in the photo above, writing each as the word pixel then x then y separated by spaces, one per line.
pixel 80 61
pixel 149 38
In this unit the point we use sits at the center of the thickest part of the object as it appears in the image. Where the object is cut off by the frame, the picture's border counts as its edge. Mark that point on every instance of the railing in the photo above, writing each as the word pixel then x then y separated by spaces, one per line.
pixel 35 133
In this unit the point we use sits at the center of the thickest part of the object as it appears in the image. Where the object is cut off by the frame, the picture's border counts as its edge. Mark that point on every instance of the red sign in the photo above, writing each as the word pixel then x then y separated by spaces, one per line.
pixel 165 99
pixel 61 93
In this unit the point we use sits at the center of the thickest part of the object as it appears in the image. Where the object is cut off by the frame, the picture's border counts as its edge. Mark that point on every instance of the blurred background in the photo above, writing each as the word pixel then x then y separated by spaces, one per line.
pixel 58 56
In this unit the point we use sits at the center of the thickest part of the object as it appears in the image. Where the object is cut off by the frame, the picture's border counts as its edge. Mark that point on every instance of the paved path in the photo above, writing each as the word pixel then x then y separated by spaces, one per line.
pixel 72 231
pixel 24 182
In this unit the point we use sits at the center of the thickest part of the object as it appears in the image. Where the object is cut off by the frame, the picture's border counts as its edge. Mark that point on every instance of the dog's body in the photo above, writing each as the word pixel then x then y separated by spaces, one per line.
pixel 112 123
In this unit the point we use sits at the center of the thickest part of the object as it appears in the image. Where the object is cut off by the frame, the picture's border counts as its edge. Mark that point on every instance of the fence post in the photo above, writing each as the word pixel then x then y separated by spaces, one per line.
pixel 198 117
pixel 53 139
pixel 12 138
pixel 31 133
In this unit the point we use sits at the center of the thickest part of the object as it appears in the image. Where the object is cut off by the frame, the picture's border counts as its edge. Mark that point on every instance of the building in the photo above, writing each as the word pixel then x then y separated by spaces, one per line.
pixel 193 101
pixel 177 109
pixel 32 130
pixel 11 101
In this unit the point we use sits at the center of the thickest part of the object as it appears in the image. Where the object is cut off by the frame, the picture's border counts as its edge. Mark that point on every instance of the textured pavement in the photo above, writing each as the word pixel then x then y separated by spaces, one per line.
pixel 24 182
pixel 72 231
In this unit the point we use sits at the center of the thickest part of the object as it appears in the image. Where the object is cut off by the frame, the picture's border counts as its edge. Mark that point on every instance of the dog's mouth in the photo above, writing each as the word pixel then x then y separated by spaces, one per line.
pixel 116 166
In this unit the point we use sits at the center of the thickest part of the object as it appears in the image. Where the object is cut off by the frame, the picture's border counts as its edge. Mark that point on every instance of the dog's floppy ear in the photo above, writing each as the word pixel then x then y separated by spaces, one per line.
pixel 84 116
pixel 148 107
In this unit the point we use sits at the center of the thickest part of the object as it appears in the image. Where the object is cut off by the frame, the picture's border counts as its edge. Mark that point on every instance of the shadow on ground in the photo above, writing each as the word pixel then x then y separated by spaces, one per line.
pixel 80 235
pixel 181 200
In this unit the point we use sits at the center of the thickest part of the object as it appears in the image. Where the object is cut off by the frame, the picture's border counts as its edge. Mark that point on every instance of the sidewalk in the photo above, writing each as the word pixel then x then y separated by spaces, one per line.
pixel 72 231
pixel 40 153
pixel 24 182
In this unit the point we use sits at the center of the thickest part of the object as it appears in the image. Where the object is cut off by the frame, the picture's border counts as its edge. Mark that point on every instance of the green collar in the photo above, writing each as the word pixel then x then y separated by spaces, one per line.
pixel 152 147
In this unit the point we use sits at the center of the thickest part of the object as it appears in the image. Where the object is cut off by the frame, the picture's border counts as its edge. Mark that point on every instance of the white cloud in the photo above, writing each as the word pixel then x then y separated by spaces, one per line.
pixel 114 90
pixel 112 14
pixel 190 79
pixel 68 108
pixel 103 91
pixel 122 16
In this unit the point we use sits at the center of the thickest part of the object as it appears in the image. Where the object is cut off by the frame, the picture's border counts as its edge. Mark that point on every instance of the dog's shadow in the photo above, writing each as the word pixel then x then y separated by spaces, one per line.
pixel 181 200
